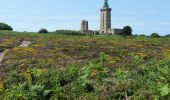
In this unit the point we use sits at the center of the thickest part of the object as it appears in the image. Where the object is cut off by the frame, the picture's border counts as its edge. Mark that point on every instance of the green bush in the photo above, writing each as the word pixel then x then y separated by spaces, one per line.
pixel 142 35
pixel 97 33
pixel 155 35
pixel 43 30
pixel 127 30
pixel 4 26
pixel 167 35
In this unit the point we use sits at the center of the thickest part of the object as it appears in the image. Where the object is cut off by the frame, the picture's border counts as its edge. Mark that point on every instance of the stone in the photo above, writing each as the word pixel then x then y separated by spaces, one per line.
pixel 84 26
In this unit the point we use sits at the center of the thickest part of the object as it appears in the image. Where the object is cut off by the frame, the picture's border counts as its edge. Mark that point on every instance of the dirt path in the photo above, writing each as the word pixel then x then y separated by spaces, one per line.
pixel 23 44
pixel 1 57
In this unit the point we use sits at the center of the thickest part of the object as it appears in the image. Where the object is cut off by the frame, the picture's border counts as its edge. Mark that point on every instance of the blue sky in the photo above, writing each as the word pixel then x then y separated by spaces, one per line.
pixel 145 16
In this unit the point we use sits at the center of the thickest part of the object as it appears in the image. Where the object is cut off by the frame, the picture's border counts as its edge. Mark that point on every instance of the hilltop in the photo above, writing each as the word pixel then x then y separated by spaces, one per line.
pixel 60 66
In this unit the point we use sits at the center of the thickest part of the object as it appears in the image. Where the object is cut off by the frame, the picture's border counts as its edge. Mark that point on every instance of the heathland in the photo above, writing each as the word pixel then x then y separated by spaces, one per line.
pixel 57 66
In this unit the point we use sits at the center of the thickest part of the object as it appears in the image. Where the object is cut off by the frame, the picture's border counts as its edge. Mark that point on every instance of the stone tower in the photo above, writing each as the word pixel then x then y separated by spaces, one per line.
pixel 105 21
pixel 84 26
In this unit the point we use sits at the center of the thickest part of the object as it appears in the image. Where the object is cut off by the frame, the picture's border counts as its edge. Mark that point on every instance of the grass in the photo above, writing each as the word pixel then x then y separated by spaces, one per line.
pixel 61 66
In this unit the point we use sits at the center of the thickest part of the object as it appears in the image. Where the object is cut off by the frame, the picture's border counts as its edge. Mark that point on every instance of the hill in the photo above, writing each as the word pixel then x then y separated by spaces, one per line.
pixel 59 66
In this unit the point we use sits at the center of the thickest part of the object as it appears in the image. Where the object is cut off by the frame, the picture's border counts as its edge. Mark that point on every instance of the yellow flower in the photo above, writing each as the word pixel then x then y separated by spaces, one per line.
pixel 2 88
pixel 29 76
pixel 94 73
pixel 142 54
pixel 27 50
pixel 167 53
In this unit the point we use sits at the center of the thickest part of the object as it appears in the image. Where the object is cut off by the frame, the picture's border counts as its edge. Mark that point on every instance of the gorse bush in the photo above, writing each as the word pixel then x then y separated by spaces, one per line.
pixel 74 82
pixel 60 67
pixel 45 84
pixel 4 26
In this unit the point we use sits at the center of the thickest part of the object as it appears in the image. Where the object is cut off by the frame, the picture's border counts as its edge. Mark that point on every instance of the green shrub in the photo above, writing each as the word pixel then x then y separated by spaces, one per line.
pixel 97 33
pixel 142 35
pixel 127 30
pixel 167 35
pixel 43 30
pixel 155 35
pixel 4 26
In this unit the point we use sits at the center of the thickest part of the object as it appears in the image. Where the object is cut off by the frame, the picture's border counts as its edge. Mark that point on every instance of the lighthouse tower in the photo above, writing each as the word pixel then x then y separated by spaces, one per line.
pixel 105 21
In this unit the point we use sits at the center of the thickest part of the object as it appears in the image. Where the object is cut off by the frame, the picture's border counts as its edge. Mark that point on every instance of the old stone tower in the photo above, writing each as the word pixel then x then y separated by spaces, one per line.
pixel 84 26
pixel 105 21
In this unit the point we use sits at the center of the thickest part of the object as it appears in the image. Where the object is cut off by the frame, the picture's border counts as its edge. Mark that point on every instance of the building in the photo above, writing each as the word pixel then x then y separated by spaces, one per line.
pixel 84 26
pixel 115 31
pixel 105 22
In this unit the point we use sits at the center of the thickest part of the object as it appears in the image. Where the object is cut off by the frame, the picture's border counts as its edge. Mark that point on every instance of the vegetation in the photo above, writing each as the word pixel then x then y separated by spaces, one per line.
pixel 141 35
pixel 43 30
pixel 167 35
pixel 61 66
pixel 69 32
pixel 4 26
pixel 127 30
pixel 155 35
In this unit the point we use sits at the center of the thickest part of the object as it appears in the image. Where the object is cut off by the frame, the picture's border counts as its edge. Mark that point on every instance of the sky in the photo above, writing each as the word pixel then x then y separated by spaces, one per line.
pixel 144 16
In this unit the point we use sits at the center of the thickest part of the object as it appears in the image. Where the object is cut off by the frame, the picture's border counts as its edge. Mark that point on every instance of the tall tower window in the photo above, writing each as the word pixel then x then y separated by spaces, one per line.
pixel 103 20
